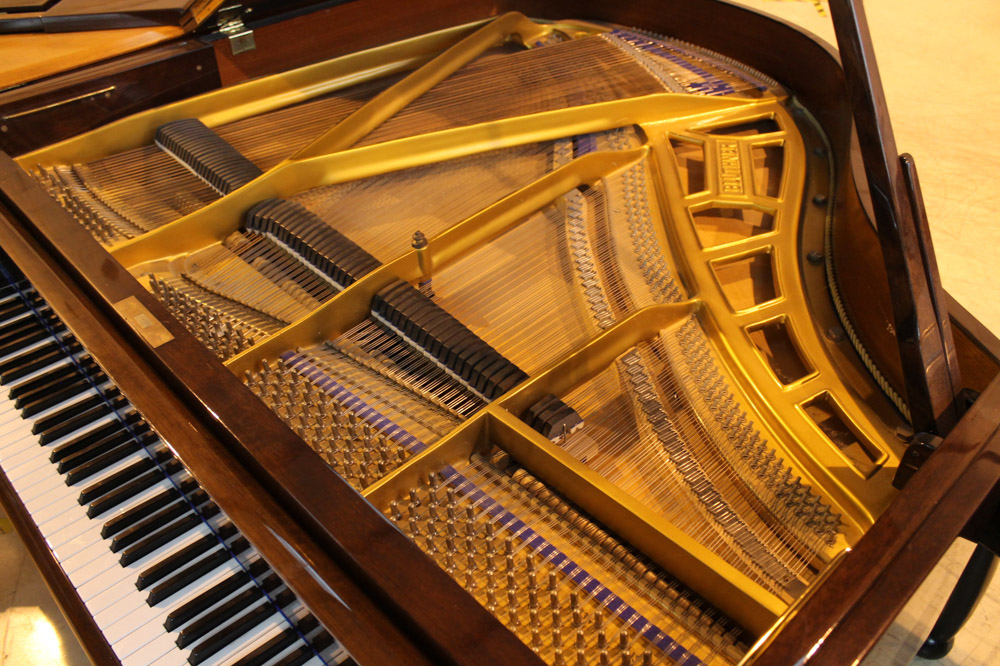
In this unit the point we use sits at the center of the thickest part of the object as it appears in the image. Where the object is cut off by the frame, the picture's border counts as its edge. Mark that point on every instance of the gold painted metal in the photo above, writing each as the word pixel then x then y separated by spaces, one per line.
pixel 268 93
pixel 707 573
pixel 459 444
pixel 790 430
pixel 596 355
pixel 218 219
pixel 387 103
pixel 353 304
pixel 729 182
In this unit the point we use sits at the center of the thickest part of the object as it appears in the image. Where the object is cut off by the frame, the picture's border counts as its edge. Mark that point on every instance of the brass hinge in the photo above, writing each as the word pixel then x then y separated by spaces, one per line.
pixel 230 23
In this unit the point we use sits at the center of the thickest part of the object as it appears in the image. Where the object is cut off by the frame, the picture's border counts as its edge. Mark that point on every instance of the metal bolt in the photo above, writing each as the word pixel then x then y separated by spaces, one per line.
pixel 819 151
pixel 835 333
pixel 815 257
pixel 819 199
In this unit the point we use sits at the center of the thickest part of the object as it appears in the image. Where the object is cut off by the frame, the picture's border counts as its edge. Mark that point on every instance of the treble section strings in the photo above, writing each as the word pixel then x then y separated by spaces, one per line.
pixel 566 587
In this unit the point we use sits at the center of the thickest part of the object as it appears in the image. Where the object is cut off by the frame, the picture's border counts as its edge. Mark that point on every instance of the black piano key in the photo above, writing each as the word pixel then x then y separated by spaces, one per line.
pixel 12 288
pixel 76 417
pixel 238 627
pixel 67 462
pixel 300 656
pixel 15 328
pixel 192 573
pixel 76 408
pixel 28 336
pixel 169 565
pixel 121 477
pixel 147 508
pixel 18 306
pixel 56 393
pixel 24 364
pixel 165 535
pixel 28 390
pixel 213 595
pixel 30 355
pixel 218 616
pixel 93 462
pixel 113 428
pixel 156 521
pixel 130 489
pixel 279 643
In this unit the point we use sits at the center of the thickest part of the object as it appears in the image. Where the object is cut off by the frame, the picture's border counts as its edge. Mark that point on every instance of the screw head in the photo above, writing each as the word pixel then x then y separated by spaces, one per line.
pixel 835 334
pixel 815 257
pixel 819 199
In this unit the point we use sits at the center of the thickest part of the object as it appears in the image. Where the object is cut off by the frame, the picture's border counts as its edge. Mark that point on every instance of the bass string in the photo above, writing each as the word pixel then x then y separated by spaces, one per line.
pixel 146 186
pixel 221 271
pixel 382 212
pixel 560 75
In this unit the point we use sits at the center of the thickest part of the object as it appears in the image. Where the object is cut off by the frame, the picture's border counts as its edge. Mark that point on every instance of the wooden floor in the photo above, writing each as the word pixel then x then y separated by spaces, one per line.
pixel 940 64
pixel 33 631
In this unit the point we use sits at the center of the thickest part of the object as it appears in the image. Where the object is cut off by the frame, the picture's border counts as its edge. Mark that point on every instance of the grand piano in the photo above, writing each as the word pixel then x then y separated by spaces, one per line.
pixel 608 335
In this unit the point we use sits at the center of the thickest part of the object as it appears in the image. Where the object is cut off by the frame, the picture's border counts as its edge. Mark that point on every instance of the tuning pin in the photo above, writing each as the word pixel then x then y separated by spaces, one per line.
pixel 602 637
pixel 491 598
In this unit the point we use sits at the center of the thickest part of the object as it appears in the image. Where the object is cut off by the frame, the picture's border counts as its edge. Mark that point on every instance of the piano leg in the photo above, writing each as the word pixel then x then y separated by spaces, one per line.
pixel 963 600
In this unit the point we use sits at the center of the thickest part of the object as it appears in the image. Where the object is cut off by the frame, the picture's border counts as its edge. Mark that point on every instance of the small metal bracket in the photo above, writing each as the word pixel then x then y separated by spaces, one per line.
pixel 919 450
pixel 230 23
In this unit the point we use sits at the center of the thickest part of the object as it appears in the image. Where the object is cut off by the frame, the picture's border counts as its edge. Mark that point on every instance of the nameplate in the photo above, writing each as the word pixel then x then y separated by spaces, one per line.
pixel 143 322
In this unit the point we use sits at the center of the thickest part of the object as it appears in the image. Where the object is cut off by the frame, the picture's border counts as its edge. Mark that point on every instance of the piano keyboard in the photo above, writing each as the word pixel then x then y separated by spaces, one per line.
pixel 166 576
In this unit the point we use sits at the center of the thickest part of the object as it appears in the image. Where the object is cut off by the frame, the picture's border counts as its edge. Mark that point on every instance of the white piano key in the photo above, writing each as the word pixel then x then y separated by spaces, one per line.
pixel 161 649
pixel 138 605
pixel 14 427
pixel 102 592
pixel 183 540
pixel 48 484
pixel 39 476
pixel 176 657
pixel 38 505
pixel 83 565
pixel 137 618
pixel 72 539
pixel 16 445
pixel 107 418
pixel 25 463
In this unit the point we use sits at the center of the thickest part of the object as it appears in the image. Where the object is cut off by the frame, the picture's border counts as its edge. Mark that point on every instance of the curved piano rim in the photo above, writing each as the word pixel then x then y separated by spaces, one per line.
pixel 837 621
